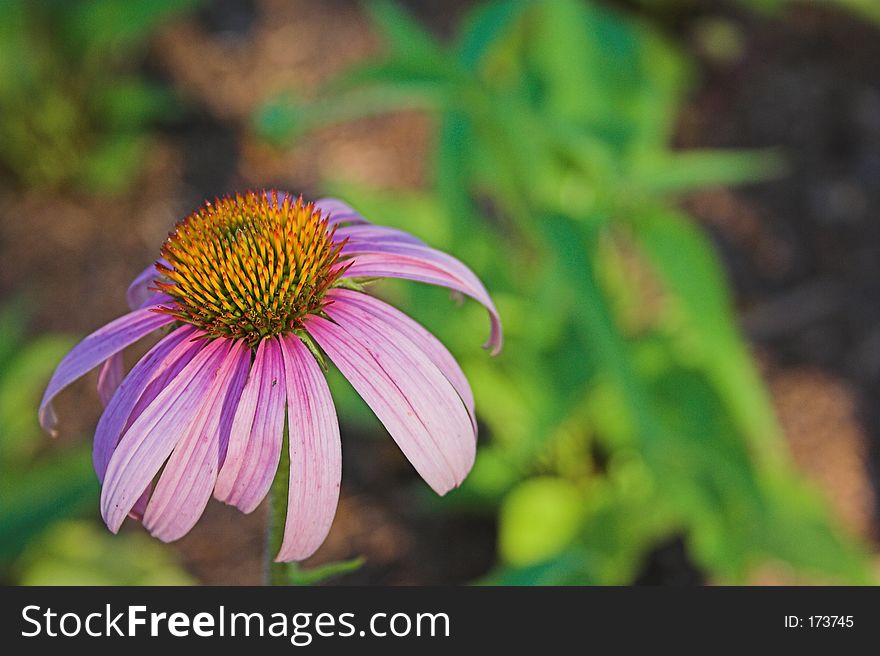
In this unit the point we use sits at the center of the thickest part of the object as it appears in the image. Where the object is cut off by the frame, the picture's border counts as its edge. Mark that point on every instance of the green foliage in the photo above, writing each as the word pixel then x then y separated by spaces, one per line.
pixel 296 575
pixel 43 483
pixel 626 408
pixel 36 487
pixel 867 9
pixel 75 112
pixel 77 552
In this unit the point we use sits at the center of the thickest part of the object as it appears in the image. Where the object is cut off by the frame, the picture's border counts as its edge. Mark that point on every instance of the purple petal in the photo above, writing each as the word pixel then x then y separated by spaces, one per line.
pixel 338 211
pixel 95 349
pixel 185 485
pixel 110 375
pixel 138 293
pixel 230 406
pixel 153 435
pixel 414 262
pixel 160 364
pixel 393 321
pixel 315 454
pixel 410 396
pixel 256 433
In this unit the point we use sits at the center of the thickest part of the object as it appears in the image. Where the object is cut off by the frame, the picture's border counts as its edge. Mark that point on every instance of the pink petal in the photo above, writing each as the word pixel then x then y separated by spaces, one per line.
pixel 95 349
pixel 160 364
pixel 186 482
pixel 410 396
pixel 367 234
pixel 153 435
pixel 393 321
pixel 110 375
pixel 338 211
pixel 315 454
pixel 414 262
pixel 140 506
pixel 256 433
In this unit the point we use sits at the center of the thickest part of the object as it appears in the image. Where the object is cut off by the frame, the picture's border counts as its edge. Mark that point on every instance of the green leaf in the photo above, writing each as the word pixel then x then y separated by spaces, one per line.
pixel 80 553
pixel 32 499
pixel 673 173
pixel 131 103
pixel 313 575
pixel 686 263
pixel 101 25
pixel 22 380
pixel 538 520
pixel 405 37
pixel 484 27
pixel 114 162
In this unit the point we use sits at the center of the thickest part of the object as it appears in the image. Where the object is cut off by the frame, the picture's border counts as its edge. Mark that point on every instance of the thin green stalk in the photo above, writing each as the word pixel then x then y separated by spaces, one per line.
pixel 277 573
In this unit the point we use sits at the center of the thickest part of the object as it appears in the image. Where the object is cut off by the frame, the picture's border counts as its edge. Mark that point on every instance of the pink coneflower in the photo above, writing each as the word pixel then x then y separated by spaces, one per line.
pixel 249 292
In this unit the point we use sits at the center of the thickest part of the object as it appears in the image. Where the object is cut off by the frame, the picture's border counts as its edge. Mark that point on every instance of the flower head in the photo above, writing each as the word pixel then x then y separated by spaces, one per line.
pixel 248 291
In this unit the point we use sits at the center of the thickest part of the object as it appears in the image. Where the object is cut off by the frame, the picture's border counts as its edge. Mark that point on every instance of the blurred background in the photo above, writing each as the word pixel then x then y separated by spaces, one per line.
pixel 673 203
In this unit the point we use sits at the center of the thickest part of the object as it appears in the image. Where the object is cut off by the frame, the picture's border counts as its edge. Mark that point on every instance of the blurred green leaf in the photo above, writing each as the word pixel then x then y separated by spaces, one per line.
pixel 113 162
pixel 76 109
pixel 22 379
pixel 538 520
pixel 703 317
pixel 97 25
pixel 313 575
pixel 48 490
pixel 672 173
pixel 406 39
pixel 130 104
pixel 79 553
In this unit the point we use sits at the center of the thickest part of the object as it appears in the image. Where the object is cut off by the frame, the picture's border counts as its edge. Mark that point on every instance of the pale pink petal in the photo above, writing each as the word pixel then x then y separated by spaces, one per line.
pixel 315 453
pixel 423 264
pixel 392 320
pixel 257 430
pixel 410 396
pixel 153 435
pixel 95 349
pixel 160 364
pixel 185 485
pixel 367 234
pixel 338 211
pixel 110 375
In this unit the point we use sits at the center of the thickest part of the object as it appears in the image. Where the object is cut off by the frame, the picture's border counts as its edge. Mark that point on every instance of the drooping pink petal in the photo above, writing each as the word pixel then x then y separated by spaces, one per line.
pixel 391 320
pixel 410 396
pixel 165 359
pixel 153 435
pixel 185 485
pixel 338 211
pixel 367 234
pixel 138 293
pixel 95 349
pixel 315 453
pixel 140 506
pixel 423 264
pixel 110 375
pixel 257 430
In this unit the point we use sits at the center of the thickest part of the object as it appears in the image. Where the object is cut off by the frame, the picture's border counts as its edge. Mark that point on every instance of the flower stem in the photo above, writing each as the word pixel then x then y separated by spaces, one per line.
pixel 277 573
